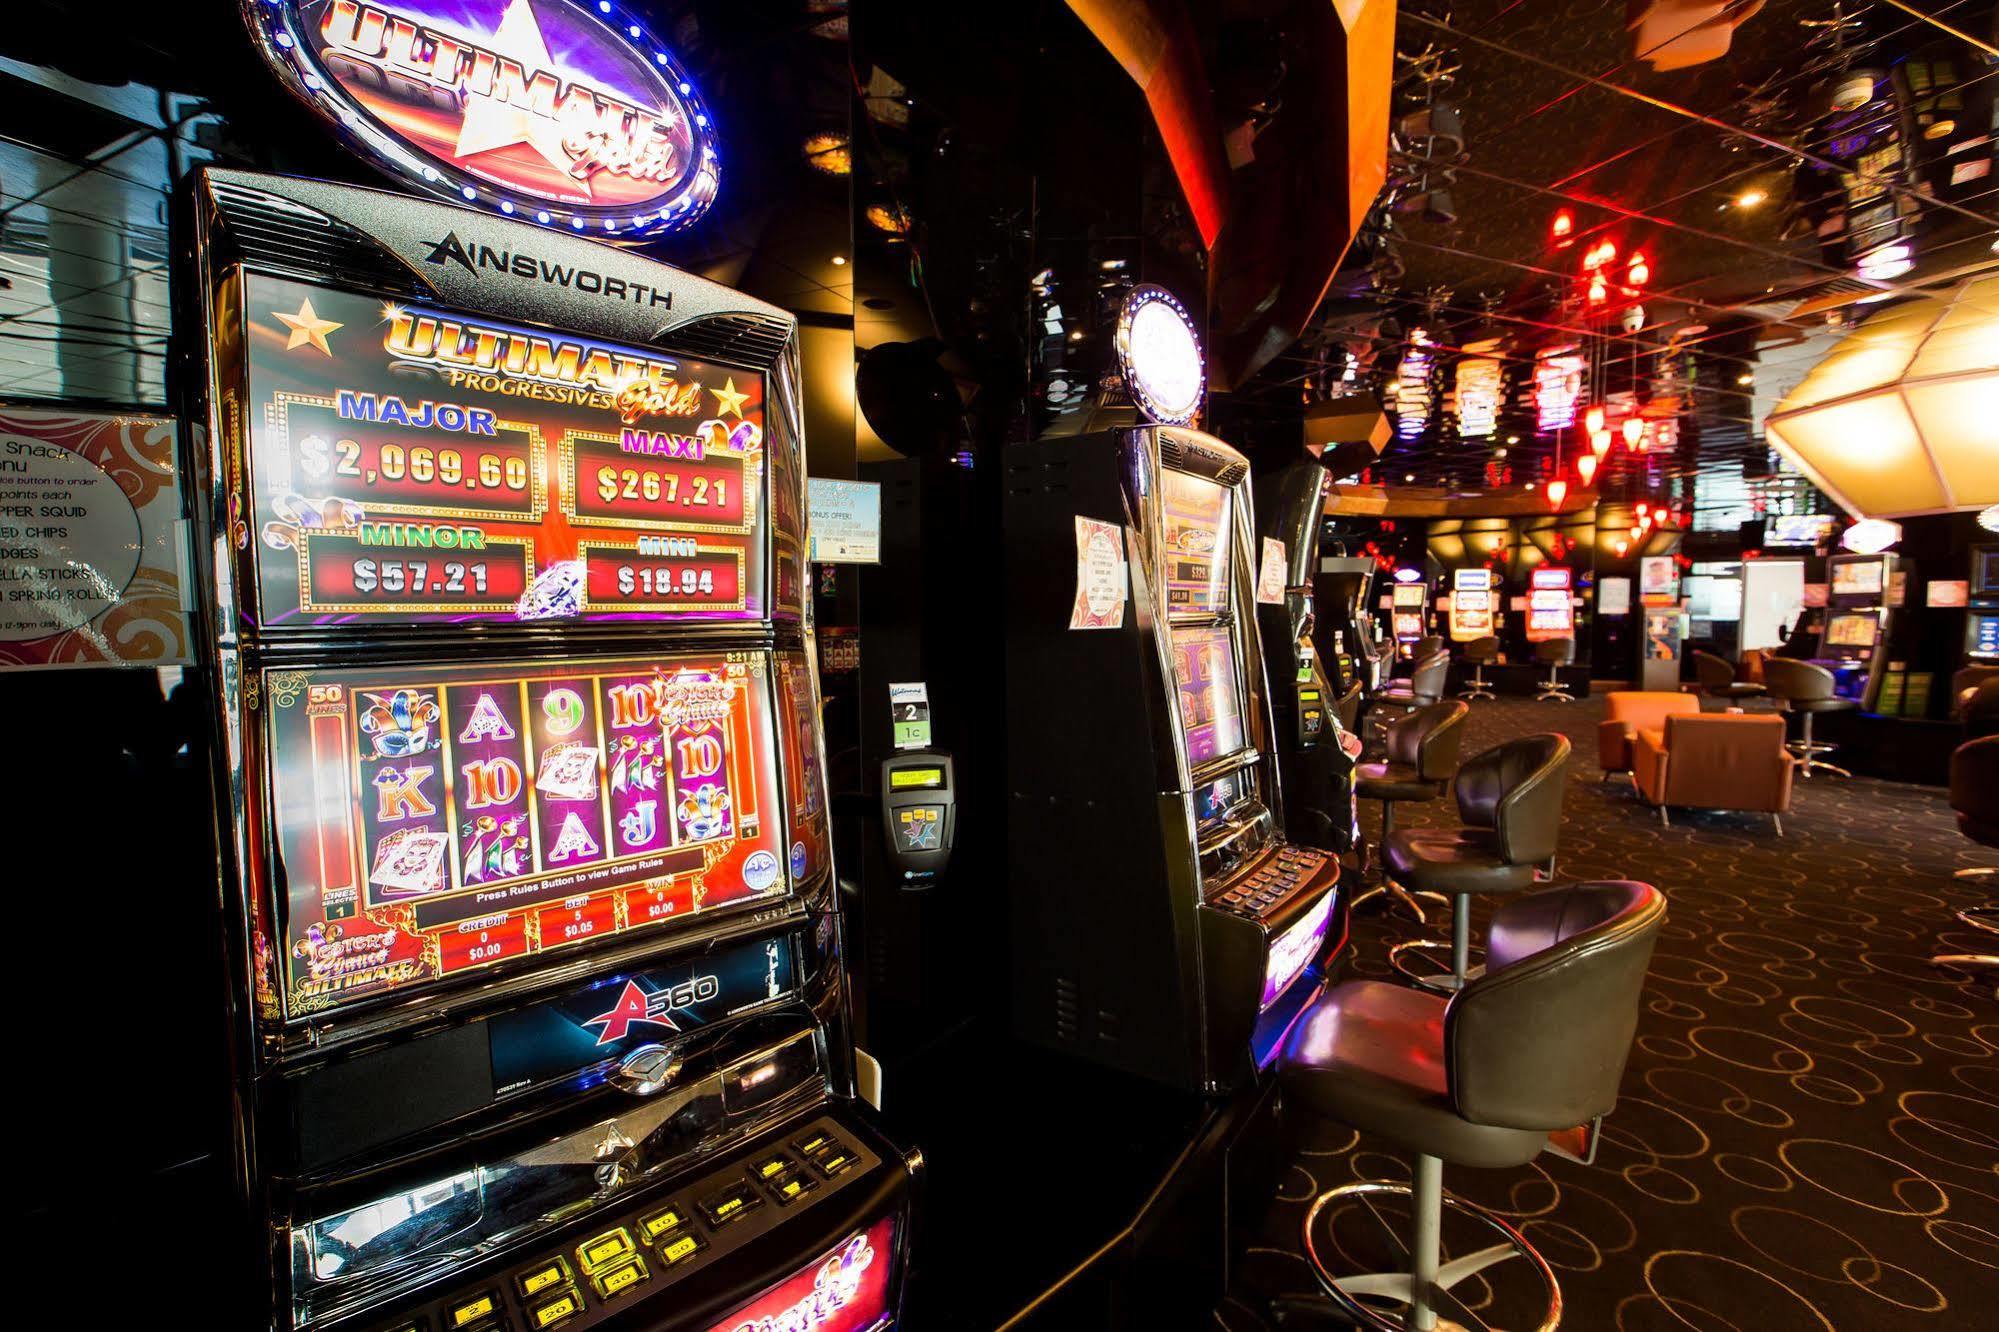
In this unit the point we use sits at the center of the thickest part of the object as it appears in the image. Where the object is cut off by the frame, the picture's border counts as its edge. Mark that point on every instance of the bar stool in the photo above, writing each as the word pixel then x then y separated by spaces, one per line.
pixel 1480 652
pixel 1536 1045
pixel 1974 795
pixel 1806 688
pixel 1424 686
pixel 1510 801
pixel 1717 679
pixel 1421 759
pixel 1555 653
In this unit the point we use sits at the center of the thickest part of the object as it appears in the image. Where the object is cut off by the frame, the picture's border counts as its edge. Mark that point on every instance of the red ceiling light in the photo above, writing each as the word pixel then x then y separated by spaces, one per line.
pixel 1558 490
pixel 1599 443
pixel 1634 430
pixel 1599 290
pixel 1586 468
pixel 1593 419
pixel 1636 271
pixel 1562 229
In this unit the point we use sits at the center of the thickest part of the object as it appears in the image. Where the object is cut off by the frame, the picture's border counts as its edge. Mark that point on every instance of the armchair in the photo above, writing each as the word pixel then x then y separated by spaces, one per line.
pixel 1718 760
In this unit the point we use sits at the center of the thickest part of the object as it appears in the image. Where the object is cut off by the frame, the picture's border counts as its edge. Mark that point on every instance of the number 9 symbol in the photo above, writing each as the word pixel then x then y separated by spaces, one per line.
pixel 562 711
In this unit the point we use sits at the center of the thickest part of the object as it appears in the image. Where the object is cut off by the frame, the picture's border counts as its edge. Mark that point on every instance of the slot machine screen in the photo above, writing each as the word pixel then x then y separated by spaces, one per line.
pixel 1857 578
pixel 1985 571
pixel 1850 631
pixel 1204 666
pixel 432 821
pixel 411 463
pixel 1196 521
pixel 1985 636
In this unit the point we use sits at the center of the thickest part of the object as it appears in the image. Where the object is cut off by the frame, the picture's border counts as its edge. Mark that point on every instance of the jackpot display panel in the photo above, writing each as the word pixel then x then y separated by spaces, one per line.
pixel 1551 607
pixel 536 952
pixel 1853 645
pixel 1162 922
pixel 1408 603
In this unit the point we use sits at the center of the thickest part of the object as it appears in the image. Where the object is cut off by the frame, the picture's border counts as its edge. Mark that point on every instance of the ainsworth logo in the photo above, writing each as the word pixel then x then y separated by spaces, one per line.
pixel 476 259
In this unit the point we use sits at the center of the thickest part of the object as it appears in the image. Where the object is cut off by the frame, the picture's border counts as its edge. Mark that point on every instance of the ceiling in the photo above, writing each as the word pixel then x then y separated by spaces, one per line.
pixel 1716 173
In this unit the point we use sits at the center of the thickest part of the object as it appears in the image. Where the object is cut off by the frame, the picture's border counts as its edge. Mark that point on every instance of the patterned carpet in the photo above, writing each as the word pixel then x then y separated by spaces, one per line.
pixel 1808 1134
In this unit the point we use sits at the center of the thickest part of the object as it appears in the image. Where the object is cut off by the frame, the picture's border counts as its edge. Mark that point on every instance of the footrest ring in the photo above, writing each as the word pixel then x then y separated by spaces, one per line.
pixel 1411 960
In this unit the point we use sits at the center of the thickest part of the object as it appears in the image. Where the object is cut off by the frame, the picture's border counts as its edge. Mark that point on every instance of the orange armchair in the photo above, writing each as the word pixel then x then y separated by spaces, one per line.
pixel 1716 760
pixel 1627 713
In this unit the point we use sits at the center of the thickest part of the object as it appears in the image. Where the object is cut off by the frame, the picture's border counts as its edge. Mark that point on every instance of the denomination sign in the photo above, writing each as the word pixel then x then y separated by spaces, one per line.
pixel 409 463
pixel 567 113
pixel 435 820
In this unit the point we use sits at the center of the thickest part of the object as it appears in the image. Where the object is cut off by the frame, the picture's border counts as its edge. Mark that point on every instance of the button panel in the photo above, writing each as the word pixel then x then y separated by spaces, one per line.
pixel 600 1268
pixel 1261 887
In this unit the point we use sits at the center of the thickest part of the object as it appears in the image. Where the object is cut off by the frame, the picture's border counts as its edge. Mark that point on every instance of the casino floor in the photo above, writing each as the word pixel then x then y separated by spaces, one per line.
pixel 1806 1135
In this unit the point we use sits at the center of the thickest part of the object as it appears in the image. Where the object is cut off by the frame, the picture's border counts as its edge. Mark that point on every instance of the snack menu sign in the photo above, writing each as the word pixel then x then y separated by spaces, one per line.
pixel 410 463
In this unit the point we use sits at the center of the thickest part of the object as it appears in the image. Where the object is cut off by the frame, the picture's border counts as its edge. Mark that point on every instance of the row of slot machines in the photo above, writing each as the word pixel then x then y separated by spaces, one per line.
pixel 535 960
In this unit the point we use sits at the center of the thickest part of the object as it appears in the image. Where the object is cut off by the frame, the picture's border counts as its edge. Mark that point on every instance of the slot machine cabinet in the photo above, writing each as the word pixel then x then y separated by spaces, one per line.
pixel 535 957
pixel 1551 607
pixel 1346 630
pixel 1310 695
pixel 1853 644
pixel 1473 609
pixel 1981 630
pixel 1162 925
pixel 1408 608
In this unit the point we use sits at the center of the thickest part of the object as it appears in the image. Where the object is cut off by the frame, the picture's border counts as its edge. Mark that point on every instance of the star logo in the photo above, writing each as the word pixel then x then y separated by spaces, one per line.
pixel 306 327
pixel 634 1006
pixel 728 401
pixel 489 122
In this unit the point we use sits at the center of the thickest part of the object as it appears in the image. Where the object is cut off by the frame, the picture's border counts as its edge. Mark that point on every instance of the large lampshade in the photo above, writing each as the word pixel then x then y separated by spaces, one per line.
pixel 1903 416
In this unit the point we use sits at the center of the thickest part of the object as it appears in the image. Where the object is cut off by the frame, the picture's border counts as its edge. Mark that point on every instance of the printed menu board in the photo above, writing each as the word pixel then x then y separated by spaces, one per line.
pixel 433 820
pixel 412 463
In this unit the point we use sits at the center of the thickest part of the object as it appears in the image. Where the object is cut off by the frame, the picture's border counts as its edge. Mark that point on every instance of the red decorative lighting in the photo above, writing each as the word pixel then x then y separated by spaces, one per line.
pixel 1634 430
pixel 1562 229
pixel 1586 468
pixel 1558 490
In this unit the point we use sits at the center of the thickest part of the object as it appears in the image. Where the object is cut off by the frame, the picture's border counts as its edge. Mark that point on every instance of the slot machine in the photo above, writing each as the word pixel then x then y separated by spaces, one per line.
pixel 1981 630
pixel 1346 632
pixel 1407 608
pixel 1854 642
pixel 1551 607
pixel 1472 609
pixel 1162 924
pixel 1313 699
pixel 535 957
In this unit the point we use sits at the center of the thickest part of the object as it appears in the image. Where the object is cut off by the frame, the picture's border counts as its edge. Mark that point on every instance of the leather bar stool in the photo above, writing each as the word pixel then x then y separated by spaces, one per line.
pixel 1974 795
pixel 1717 679
pixel 1427 646
pixel 1805 688
pixel 1555 653
pixel 1535 1045
pixel 1481 653
pixel 1424 686
pixel 1421 759
pixel 1510 801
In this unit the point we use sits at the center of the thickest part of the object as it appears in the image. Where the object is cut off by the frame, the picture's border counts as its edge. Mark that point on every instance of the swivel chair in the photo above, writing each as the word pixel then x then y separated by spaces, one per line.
pixel 1535 1045
pixel 1426 646
pixel 1424 686
pixel 1421 759
pixel 1555 653
pixel 1974 795
pixel 1807 689
pixel 1510 801
pixel 1480 652
pixel 1717 679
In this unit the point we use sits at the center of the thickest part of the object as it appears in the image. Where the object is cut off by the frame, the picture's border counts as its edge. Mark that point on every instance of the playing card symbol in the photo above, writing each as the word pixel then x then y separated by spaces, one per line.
pixel 639 764
pixel 399 723
pixel 641 825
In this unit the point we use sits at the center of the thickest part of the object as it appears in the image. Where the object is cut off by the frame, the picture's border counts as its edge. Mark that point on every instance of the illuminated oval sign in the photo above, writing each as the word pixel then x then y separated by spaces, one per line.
pixel 569 114
pixel 1159 355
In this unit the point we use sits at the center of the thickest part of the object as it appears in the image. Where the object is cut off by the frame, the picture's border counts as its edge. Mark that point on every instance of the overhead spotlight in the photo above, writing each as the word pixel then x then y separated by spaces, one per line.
pixel 839 261
pixel 1852 90
pixel 1750 198
pixel 1988 517
pixel 1886 262
pixel 1745 379
pixel 1871 536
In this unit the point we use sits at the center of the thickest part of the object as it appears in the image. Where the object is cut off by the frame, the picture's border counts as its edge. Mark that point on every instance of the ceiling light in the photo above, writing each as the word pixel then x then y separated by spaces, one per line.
pixel 1558 490
pixel 1599 442
pixel 839 261
pixel 1888 262
pixel 1901 417
pixel 1854 91
pixel 1408 573
pixel 1750 198
pixel 1939 129
pixel 1634 430
pixel 1745 379
pixel 1988 517
pixel 1586 468
pixel 1871 536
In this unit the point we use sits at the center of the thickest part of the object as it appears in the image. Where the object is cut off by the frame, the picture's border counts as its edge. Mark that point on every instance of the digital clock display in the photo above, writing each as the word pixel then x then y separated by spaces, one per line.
pixel 403 462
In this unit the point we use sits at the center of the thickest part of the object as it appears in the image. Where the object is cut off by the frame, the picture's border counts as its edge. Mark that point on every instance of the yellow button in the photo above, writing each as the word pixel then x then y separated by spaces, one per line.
pixel 604 1250
pixel 684 1247
pixel 473 1310
pixel 773 1166
pixel 539 1280
pixel 621 1279
pixel 655 1226
pixel 548 1315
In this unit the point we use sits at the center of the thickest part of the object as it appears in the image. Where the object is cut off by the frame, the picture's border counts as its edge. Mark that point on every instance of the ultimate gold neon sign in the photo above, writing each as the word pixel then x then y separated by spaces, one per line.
pixel 567 113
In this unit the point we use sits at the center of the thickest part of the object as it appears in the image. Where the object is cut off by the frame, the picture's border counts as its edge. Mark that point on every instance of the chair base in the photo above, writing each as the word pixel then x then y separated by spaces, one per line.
pixel 1412 959
pixel 1397 896
pixel 1476 693
pixel 1981 918
pixel 1386 1301
pixel 1476 686
pixel 1554 693
pixel 1977 872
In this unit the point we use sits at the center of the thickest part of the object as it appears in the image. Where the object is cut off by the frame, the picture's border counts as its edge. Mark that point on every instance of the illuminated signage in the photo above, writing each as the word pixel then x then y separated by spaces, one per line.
pixel 565 112
pixel 1558 383
pixel 412 463
pixel 1159 356
pixel 1479 377
pixel 1412 380
pixel 846 1291
pixel 1293 950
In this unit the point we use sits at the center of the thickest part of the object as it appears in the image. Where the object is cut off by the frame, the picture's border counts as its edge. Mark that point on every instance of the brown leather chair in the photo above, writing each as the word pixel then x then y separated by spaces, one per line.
pixel 1717 679
pixel 1978 709
pixel 1480 653
pixel 1974 795
pixel 1421 759
pixel 1510 802
pixel 1715 760
pixel 1626 713
pixel 1555 653
pixel 1805 688
pixel 1965 685
pixel 1534 1046
pixel 1428 645
pixel 1424 686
